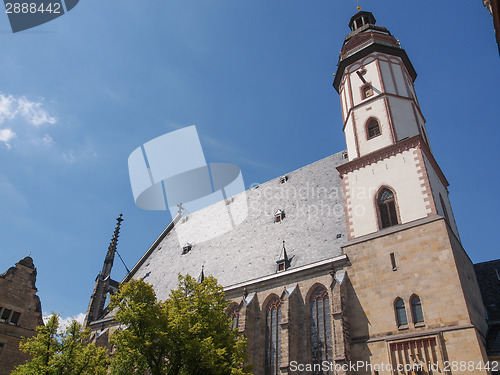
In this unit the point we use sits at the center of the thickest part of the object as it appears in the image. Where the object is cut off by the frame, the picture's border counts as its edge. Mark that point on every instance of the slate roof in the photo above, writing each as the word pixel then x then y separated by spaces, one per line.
pixel 313 229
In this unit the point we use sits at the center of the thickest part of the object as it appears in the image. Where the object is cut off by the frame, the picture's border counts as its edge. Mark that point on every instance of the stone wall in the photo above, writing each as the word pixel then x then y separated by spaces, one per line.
pixel 20 312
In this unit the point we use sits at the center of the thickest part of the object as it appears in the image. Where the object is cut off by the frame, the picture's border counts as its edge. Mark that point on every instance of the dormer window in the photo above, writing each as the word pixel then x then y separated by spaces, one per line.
pixel 186 248
pixel 281 265
pixel 366 91
pixel 279 216
pixel 284 262
pixel 283 179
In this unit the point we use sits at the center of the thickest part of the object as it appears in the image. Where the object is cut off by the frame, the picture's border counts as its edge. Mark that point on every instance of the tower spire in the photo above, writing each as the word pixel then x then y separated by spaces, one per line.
pixel 103 283
pixel 110 256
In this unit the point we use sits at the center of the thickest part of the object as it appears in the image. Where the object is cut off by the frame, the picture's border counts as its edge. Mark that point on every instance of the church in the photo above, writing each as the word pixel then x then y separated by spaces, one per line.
pixel 352 264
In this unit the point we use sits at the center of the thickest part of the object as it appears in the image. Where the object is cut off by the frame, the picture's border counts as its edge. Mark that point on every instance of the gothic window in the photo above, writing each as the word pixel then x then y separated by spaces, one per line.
pixel 321 334
pixel 273 335
pixel 366 91
pixel 399 307
pixel 416 309
pixel 235 317
pixel 444 208
pixel 387 208
pixel 372 129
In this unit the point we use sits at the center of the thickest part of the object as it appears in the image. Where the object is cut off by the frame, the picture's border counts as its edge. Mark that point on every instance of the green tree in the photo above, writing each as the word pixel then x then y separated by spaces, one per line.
pixel 65 353
pixel 188 334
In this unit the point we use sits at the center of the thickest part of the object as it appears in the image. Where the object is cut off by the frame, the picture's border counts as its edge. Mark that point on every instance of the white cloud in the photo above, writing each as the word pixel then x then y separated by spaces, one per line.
pixel 65 322
pixel 47 139
pixel 69 157
pixel 32 112
pixel 6 135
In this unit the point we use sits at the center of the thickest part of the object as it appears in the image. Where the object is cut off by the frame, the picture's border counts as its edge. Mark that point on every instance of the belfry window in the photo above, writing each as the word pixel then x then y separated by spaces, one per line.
pixel 366 91
pixel 273 337
pixel 416 310
pixel 399 307
pixel 321 333
pixel 387 208
pixel 372 129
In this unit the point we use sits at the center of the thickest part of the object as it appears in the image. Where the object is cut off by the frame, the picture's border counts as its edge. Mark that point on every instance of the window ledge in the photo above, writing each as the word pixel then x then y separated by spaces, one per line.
pixel 419 324
pixel 375 136
pixel 403 327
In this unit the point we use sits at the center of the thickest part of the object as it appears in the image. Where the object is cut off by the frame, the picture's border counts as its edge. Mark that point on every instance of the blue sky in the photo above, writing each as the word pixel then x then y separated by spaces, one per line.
pixel 79 94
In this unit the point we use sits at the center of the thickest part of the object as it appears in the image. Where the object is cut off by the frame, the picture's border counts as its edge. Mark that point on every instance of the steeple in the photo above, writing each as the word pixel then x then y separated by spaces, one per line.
pixel 392 177
pixel 103 283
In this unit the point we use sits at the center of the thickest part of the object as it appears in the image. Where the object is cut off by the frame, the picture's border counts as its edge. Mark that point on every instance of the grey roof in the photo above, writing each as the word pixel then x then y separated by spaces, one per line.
pixel 313 229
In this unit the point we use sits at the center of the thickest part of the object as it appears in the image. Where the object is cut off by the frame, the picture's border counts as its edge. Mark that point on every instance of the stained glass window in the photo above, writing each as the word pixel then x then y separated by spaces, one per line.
pixel 321 333
pixel 273 336
pixel 235 317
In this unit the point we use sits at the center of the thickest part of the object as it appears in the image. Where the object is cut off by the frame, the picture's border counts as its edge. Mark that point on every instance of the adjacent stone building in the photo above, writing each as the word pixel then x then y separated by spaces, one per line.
pixel 352 264
pixel 20 312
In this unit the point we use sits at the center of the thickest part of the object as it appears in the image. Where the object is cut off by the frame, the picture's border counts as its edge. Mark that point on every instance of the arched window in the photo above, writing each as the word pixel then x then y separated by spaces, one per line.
pixel 372 129
pixel 235 317
pixel 416 309
pixel 321 333
pixel 387 208
pixel 399 307
pixel 273 336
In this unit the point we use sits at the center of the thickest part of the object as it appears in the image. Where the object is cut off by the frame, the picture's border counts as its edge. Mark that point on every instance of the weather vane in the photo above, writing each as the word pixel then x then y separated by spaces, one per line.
pixel 358 7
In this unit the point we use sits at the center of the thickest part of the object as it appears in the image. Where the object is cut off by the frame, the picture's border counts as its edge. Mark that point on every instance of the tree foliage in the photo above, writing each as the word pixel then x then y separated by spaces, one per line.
pixel 65 353
pixel 188 334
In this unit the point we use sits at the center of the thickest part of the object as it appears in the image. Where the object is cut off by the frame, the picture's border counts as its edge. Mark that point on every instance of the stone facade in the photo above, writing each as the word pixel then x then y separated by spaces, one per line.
pixel 20 312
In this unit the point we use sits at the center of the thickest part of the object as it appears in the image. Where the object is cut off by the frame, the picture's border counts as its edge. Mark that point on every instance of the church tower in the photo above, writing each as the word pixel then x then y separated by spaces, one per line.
pixel 103 282
pixel 414 299
pixel 391 177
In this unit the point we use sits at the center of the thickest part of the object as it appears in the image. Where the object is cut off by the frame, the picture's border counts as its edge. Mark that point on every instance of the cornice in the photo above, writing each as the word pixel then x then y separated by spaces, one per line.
pixel 381 96
pixel 386 152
